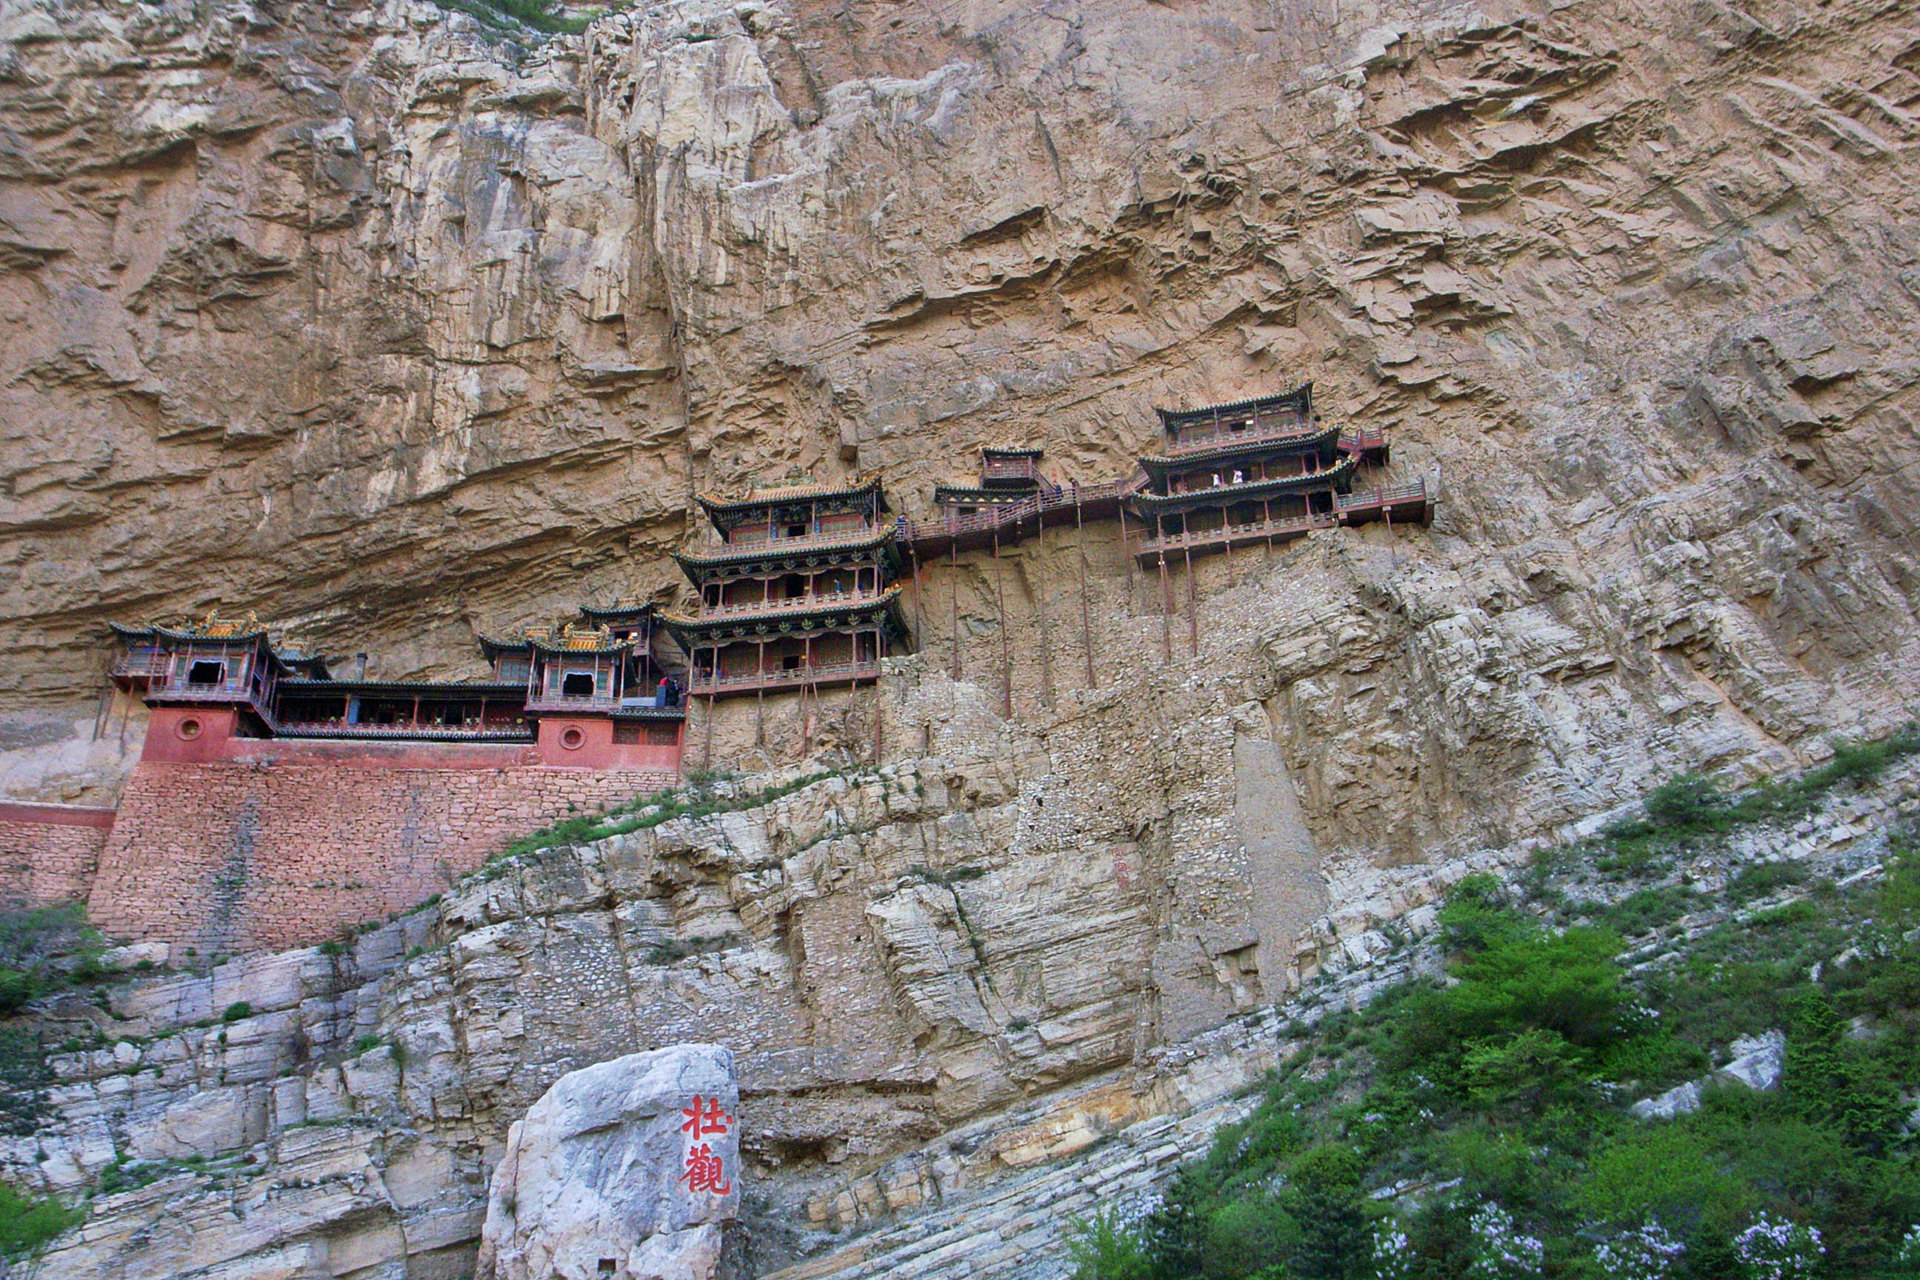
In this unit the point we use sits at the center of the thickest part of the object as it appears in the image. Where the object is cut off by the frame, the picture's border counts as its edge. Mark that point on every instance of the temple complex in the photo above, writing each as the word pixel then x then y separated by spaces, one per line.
pixel 278 797
pixel 1259 471
pixel 575 688
pixel 796 592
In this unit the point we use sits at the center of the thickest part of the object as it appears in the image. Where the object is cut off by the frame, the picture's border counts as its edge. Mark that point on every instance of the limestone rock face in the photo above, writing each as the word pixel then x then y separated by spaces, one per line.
pixel 626 1168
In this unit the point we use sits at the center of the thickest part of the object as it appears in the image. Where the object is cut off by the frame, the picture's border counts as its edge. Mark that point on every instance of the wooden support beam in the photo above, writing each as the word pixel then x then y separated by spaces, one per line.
pixel 1166 612
pixel 1086 613
pixel 953 584
pixel 1039 586
pixel 1193 611
pixel 1006 651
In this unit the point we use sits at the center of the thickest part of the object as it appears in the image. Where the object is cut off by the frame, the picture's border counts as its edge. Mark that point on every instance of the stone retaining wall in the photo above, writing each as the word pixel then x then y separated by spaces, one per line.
pixel 234 857
pixel 49 852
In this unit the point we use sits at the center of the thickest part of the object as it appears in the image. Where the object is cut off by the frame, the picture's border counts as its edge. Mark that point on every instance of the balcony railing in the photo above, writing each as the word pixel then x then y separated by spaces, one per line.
pixel 1011 514
pixel 1263 429
pixel 826 600
pixel 786 677
pixel 1012 469
pixel 818 539
pixel 428 732
pixel 1347 506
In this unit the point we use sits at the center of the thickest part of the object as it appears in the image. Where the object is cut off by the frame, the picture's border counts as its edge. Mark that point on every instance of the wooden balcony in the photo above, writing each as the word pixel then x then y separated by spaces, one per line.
pixel 1015 520
pixel 820 675
pixel 403 732
pixel 1266 428
pixel 1410 503
pixel 759 541
pixel 1009 471
pixel 790 604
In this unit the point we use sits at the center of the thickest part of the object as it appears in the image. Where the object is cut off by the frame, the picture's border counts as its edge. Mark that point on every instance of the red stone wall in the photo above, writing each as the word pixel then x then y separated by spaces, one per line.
pixel 48 852
pixel 285 850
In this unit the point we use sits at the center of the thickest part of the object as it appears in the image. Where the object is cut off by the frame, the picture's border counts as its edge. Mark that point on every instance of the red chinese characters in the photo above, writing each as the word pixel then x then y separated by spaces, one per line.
pixel 701 1123
pixel 705 1171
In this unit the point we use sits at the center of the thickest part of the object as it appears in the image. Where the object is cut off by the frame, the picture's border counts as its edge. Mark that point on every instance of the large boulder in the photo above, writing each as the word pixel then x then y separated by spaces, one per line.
pixel 626 1169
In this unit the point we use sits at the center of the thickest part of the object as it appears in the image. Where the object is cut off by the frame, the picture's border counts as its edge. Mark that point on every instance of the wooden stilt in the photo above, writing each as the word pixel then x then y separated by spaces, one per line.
pixel 1006 652
pixel 706 755
pixel 1166 611
pixel 953 584
pixel 879 658
pixel 760 700
pixel 1086 611
pixel 1039 585
pixel 1193 611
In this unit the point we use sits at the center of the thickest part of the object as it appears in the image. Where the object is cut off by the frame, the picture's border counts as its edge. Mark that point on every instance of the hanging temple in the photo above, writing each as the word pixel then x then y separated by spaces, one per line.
pixel 260 754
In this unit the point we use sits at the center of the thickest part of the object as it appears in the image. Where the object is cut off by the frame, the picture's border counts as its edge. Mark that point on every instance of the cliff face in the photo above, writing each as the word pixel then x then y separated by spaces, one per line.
pixel 390 331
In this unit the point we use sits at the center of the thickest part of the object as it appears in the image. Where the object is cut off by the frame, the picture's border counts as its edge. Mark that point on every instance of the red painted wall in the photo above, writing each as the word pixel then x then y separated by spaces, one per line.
pixel 234 856
pixel 228 844
pixel 49 852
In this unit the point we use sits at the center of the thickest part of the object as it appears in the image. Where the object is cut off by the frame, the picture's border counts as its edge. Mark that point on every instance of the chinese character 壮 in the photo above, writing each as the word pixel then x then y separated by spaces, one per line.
pixel 701 1123
pixel 704 1171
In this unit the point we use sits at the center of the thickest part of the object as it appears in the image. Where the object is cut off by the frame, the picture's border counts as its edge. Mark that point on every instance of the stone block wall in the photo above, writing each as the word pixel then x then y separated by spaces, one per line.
pixel 229 857
pixel 49 852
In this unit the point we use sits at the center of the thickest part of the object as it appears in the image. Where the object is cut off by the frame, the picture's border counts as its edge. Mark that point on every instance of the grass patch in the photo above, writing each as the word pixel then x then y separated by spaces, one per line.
pixel 696 800
pixel 27 1223
pixel 672 949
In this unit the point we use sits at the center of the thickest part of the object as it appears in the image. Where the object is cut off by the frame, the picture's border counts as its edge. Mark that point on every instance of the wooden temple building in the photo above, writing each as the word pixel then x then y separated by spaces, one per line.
pixel 594 683
pixel 797 591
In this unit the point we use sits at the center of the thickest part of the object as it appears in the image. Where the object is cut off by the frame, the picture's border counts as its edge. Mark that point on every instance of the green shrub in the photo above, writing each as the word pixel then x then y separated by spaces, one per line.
pixel 1764 878
pixel 16 989
pixel 27 1223
pixel 1104 1247
pixel 236 1011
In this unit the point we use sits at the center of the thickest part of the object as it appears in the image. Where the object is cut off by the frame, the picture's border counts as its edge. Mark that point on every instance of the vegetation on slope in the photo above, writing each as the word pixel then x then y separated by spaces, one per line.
pixel 548 17
pixel 1480 1126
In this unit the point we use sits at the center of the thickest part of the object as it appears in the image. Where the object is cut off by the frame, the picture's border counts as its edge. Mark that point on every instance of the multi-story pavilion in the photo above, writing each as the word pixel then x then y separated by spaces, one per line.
pixel 1256 471
pixel 797 590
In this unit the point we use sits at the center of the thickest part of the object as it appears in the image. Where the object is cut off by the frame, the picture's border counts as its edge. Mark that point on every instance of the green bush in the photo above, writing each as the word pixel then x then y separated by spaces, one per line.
pixel 236 1011
pixel 27 1223
pixel 16 988
pixel 1105 1248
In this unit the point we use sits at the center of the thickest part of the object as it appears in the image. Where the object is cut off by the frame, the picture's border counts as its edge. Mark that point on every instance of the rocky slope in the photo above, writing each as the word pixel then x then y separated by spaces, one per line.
pixel 948 1037
pixel 389 329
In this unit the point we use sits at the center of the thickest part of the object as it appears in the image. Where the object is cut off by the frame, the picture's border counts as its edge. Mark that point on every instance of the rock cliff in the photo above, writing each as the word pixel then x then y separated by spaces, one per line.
pixel 389 329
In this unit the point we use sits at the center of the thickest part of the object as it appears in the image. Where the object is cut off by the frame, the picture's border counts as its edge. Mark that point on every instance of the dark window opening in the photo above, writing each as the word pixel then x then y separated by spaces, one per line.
pixel 626 735
pixel 608 1266
pixel 796 531
pixel 663 735
pixel 790 663
pixel 967 511
pixel 795 586
pixel 576 684
pixel 207 673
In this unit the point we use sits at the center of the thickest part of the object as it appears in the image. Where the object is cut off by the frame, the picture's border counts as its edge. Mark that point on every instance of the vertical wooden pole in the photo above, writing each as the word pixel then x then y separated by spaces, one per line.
pixel 1166 611
pixel 1193 611
pixel 1039 584
pixel 953 588
pixel 879 656
pixel 1000 607
pixel 760 697
pixel 1086 611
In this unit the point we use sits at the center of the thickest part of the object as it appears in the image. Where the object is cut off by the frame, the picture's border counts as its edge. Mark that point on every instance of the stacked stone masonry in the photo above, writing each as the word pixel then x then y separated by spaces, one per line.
pixel 48 853
pixel 227 858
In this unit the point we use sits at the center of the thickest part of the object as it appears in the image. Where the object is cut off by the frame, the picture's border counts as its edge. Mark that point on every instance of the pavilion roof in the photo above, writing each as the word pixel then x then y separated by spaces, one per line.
pixel 798 610
pixel 858 486
pixel 1318 438
pixel 785 548
pixel 1333 475
pixel 1301 397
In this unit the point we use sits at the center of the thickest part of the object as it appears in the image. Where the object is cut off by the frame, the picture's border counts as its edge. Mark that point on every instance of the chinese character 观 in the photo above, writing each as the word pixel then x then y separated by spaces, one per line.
pixel 704 1172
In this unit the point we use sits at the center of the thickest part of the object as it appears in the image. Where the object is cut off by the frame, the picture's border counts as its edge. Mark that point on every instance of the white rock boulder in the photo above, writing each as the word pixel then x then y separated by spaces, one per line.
pixel 626 1169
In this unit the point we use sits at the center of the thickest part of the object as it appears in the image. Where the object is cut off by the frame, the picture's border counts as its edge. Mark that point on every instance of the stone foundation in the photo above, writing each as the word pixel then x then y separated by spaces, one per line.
pixel 49 852
pixel 229 857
